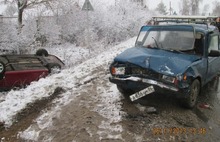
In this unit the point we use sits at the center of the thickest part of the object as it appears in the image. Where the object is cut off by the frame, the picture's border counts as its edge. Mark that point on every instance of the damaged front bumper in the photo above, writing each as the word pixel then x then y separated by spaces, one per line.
pixel 137 83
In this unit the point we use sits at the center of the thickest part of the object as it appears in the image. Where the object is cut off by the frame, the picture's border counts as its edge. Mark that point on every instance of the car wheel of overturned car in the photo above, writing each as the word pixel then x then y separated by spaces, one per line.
pixel 42 52
pixel 2 70
pixel 54 68
pixel 191 100
pixel 125 92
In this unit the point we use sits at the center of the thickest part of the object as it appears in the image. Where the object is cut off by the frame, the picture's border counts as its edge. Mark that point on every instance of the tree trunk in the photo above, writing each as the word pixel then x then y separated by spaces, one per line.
pixel 20 15
pixel 21 7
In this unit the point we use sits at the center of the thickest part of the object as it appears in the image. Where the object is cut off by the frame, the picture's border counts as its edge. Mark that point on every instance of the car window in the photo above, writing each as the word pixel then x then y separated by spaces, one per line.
pixel 141 36
pixel 170 40
pixel 199 43
pixel 213 44
pixel 167 37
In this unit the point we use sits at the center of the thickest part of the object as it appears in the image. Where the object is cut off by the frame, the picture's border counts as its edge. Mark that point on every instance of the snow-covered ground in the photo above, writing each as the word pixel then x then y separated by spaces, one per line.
pixel 14 101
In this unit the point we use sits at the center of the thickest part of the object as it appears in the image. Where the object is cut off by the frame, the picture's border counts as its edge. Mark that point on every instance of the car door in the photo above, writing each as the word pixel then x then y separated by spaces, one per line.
pixel 213 62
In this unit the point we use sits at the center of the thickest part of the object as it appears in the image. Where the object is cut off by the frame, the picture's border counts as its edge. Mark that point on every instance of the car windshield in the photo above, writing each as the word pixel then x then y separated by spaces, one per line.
pixel 179 38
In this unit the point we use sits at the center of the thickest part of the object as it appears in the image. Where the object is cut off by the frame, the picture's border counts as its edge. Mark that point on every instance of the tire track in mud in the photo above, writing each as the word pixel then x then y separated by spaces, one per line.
pixel 84 118
pixel 26 116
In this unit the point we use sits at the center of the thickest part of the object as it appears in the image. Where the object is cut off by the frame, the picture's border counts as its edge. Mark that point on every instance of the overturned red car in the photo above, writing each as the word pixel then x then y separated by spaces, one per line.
pixel 21 70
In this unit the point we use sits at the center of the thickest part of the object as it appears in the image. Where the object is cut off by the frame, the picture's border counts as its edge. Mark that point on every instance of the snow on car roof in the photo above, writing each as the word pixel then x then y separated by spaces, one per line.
pixel 184 17
pixel 199 22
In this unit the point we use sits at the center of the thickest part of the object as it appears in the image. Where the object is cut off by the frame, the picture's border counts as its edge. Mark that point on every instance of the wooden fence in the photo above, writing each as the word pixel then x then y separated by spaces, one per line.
pixel 4 19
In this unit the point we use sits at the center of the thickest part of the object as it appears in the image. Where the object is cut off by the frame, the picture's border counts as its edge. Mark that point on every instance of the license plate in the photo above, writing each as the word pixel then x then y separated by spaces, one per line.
pixel 142 93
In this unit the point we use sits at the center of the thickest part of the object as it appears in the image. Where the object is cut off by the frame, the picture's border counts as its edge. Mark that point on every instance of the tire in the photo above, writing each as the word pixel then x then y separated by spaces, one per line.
pixel 2 70
pixel 42 52
pixel 191 100
pixel 54 68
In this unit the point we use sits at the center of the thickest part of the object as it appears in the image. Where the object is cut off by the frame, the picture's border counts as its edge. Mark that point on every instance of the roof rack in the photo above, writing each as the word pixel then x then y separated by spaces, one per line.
pixel 185 19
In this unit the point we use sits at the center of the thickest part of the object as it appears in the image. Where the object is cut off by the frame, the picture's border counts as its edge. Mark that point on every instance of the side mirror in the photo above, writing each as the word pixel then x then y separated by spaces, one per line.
pixel 214 53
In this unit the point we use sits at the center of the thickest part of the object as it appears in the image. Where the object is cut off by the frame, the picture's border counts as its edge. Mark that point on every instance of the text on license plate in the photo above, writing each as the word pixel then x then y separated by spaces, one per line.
pixel 142 93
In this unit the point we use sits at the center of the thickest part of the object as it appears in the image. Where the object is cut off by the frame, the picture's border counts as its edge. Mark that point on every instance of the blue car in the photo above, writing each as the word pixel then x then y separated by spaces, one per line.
pixel 178 58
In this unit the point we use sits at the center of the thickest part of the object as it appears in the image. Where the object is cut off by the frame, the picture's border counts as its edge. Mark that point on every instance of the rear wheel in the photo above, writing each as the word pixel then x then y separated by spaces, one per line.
pixel 191 100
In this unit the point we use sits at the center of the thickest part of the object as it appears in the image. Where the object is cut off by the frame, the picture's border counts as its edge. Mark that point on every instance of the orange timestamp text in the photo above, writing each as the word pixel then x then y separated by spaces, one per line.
pixel 179 131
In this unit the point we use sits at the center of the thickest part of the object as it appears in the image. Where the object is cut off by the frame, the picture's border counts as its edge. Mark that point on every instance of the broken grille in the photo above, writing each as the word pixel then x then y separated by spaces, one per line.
pixel 142 72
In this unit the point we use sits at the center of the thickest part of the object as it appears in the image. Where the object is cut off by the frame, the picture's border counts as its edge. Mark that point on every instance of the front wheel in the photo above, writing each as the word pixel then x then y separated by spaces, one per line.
pixel 191 100
pixel 2 70
pixel 54 68
pixel 2 67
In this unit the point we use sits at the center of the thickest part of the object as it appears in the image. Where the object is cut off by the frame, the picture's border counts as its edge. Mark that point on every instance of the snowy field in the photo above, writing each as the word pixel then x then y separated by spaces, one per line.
pixel 14 101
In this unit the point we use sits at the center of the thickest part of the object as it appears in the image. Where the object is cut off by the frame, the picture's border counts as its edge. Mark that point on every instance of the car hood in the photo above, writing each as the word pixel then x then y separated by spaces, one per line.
pixel 162 61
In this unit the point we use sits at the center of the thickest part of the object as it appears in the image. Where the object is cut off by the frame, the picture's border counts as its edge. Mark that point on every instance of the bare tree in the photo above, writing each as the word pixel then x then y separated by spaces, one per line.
pixel 161 8
pixel 185 7
pixel 190 7
pixel 216 8
pixel 22 4
pixel 195 6
pixel 205 9
pixel 138 1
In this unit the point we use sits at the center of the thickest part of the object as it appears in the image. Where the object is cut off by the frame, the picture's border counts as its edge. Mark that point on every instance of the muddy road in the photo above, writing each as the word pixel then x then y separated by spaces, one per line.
pixel 98 112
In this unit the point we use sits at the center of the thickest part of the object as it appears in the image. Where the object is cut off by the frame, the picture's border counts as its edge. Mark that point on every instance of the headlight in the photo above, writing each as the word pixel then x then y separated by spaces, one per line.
pixel 168 78
pixel 118 70
pixel 181 77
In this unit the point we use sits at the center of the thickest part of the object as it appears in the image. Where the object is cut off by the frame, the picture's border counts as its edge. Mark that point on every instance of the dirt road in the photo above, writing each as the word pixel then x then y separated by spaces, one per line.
pixel 98 112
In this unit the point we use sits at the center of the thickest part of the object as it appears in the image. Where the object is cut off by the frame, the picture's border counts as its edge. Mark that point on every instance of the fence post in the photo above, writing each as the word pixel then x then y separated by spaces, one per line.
pixel 1 18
